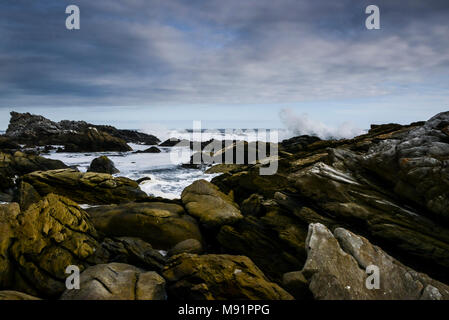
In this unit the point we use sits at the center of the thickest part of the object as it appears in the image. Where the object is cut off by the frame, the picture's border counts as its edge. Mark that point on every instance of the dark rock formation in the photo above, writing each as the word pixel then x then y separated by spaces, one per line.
pixel 102 164
pixel 76 136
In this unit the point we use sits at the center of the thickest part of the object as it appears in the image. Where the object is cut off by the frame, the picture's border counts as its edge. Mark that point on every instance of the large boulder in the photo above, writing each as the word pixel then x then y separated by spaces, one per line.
pixel 38 244
pixel 220 277
pixel 102 164
pixel 336 268
pixel 163 225
pixel 206 202
pixel 90 188
pixel 415 164
pixel 117 281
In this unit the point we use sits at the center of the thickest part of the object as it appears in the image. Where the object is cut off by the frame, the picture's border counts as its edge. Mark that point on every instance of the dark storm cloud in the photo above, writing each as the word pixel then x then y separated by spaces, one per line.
pixel 140 52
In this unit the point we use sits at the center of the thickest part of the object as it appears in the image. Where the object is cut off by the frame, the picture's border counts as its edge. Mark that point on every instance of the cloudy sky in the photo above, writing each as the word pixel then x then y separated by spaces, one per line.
pixel 233 63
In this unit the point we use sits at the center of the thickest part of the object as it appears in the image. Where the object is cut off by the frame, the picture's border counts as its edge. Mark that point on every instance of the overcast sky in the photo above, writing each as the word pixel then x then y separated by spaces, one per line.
pixel 233 63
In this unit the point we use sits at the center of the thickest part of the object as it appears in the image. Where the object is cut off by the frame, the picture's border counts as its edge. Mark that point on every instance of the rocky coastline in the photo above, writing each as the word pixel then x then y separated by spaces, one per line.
pixel 309 231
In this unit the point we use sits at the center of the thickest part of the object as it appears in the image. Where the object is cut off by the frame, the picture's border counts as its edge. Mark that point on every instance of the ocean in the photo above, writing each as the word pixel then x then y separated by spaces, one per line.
pixel 168 177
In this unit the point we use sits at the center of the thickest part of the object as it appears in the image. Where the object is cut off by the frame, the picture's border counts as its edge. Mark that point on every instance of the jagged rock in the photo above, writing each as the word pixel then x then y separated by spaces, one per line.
pixel 186 246
pixel 336 269
pixel 118 281
pixel 15 295
pixel 75 136
pixel 129 250
pixel 149 150
pixel 90 187
pixel 213 208
pixel 38 244
pixel 102 164
pixel 91 140
pixel 356 202
pixel 416 164
pixel 211 277
pixel 298 143
pixel 163 225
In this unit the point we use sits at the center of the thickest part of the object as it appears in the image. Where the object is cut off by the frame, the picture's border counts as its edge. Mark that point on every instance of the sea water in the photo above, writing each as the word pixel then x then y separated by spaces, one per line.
pixel 168 177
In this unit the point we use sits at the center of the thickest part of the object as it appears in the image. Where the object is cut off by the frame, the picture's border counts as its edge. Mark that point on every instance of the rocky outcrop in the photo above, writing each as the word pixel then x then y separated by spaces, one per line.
pixel 38 244
pixel 102 164
pixel 13 165
pixel 163 225
pixel 336 268
pixel 352 201
pixel 416 164
pixel 297 144
pixel 117 281
pixel 219 277
pixel 129 250
pixel 213 208
pixel 89 188
pixel 76 136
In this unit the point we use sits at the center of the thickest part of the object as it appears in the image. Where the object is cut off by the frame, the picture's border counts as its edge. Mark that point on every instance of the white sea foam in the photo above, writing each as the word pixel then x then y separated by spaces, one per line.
pixel 168 178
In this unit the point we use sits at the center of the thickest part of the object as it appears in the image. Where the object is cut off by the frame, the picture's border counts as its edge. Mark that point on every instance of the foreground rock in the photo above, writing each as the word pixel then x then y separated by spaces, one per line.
pixel 349 198
pixel 219 277
pixel 18 163
pixel 204 201
pixel 118 281
pixel 90 188
pixel 37 245
pixel 163 225
pixel 415 163
pixel 102 164
pixel 336 269
pixel 15 295
pixel 76 136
